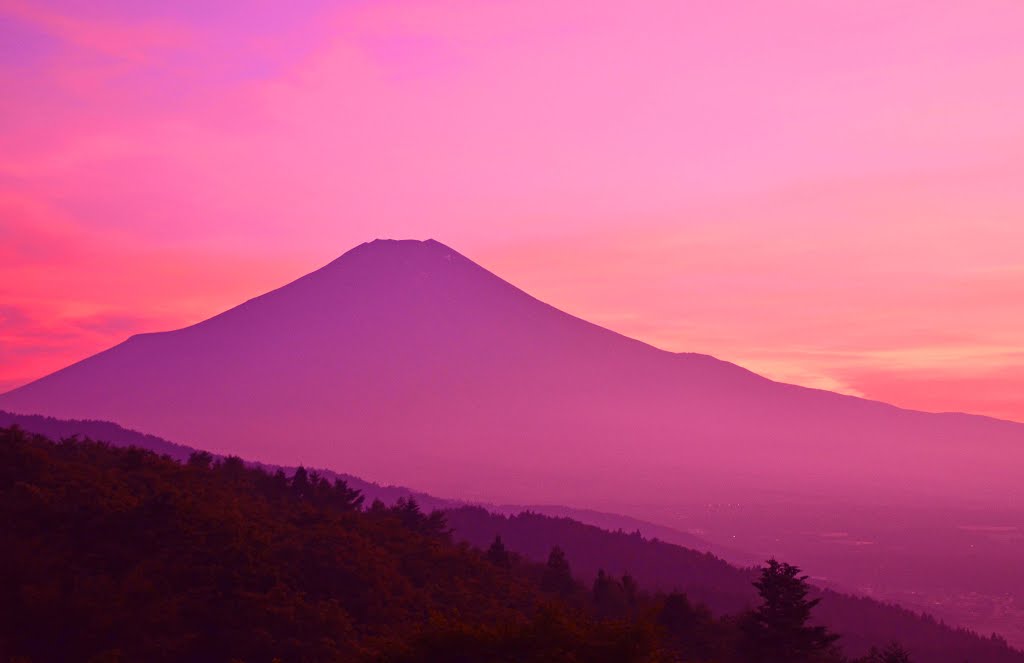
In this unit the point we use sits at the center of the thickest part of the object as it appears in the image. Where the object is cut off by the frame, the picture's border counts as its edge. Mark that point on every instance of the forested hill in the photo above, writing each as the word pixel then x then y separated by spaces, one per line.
pixel 128 555
pixel 113 554
pixel 726 589
pixel 118 436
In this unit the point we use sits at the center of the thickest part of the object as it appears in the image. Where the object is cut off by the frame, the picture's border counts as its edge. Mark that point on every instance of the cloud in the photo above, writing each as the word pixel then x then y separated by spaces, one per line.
pixel 135 41
pixel 996 390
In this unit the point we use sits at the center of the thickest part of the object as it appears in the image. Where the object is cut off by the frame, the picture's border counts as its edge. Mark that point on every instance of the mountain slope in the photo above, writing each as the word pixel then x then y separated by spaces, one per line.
pixel 409 363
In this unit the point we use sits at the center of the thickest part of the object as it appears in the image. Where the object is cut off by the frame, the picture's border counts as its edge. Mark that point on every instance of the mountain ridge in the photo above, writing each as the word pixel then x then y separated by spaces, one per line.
pixel 412 355
pixel 443 250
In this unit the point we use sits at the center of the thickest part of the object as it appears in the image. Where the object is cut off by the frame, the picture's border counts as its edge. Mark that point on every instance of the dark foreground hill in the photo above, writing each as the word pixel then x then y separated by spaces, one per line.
pixel 724 588
pixel 118 436
pixel 120 555
pixel 125 555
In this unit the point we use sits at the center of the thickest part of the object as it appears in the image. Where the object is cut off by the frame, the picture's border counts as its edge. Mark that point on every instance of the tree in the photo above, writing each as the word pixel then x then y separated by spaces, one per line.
pixel 200 460
pixel 345 498
pixel 436 525
pixel 607 595
pixel 778 630
pixel 893 653
pixel 233 466
pixel 272 485
pixel 557 578
pixel 300 482
pixel 690 629
pixel 630 588
pixel 408 511
pixel 614 598
pixel 498 555
pixel 677 615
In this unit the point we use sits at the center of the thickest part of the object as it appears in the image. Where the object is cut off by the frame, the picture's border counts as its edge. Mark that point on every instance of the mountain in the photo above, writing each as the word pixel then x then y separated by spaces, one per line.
pixel 406 362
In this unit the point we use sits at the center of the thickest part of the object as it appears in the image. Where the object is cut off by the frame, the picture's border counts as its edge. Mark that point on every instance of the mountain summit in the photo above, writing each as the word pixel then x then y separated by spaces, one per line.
pixel 404 361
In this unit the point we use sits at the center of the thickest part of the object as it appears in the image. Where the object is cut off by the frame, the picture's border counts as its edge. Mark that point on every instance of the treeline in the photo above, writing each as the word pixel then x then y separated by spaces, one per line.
pixel 725 589
pixel 122 555
pixel 657 565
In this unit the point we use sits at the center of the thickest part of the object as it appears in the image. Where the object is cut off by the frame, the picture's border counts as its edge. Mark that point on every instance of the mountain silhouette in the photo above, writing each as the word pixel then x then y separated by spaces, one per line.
pixel 405 362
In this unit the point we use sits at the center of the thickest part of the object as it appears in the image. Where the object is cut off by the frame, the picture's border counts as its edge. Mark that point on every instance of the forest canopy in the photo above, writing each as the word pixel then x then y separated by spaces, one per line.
pixel 112 554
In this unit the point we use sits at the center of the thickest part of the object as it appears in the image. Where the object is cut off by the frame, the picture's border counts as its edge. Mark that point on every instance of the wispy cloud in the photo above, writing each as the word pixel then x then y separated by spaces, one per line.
pixel 130 40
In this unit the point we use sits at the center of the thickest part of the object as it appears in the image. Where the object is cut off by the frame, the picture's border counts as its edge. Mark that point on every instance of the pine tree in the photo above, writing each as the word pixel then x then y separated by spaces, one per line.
pixel 345 498
pixel 557 577
pixel 498 554
pixel 893 653
pixel 610 595
pixel 409 512
pixel 630 589
pixel 200 460
pixel 690 629
pixel 233 466
pixel 300 482
pixel 778 631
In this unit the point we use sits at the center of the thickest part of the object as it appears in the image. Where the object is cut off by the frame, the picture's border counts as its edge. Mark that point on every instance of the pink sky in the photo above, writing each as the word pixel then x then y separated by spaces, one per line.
pixel 827 193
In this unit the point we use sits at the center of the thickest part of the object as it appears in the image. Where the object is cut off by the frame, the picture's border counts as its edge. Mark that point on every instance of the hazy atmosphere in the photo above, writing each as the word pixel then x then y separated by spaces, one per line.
pixel 512 332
